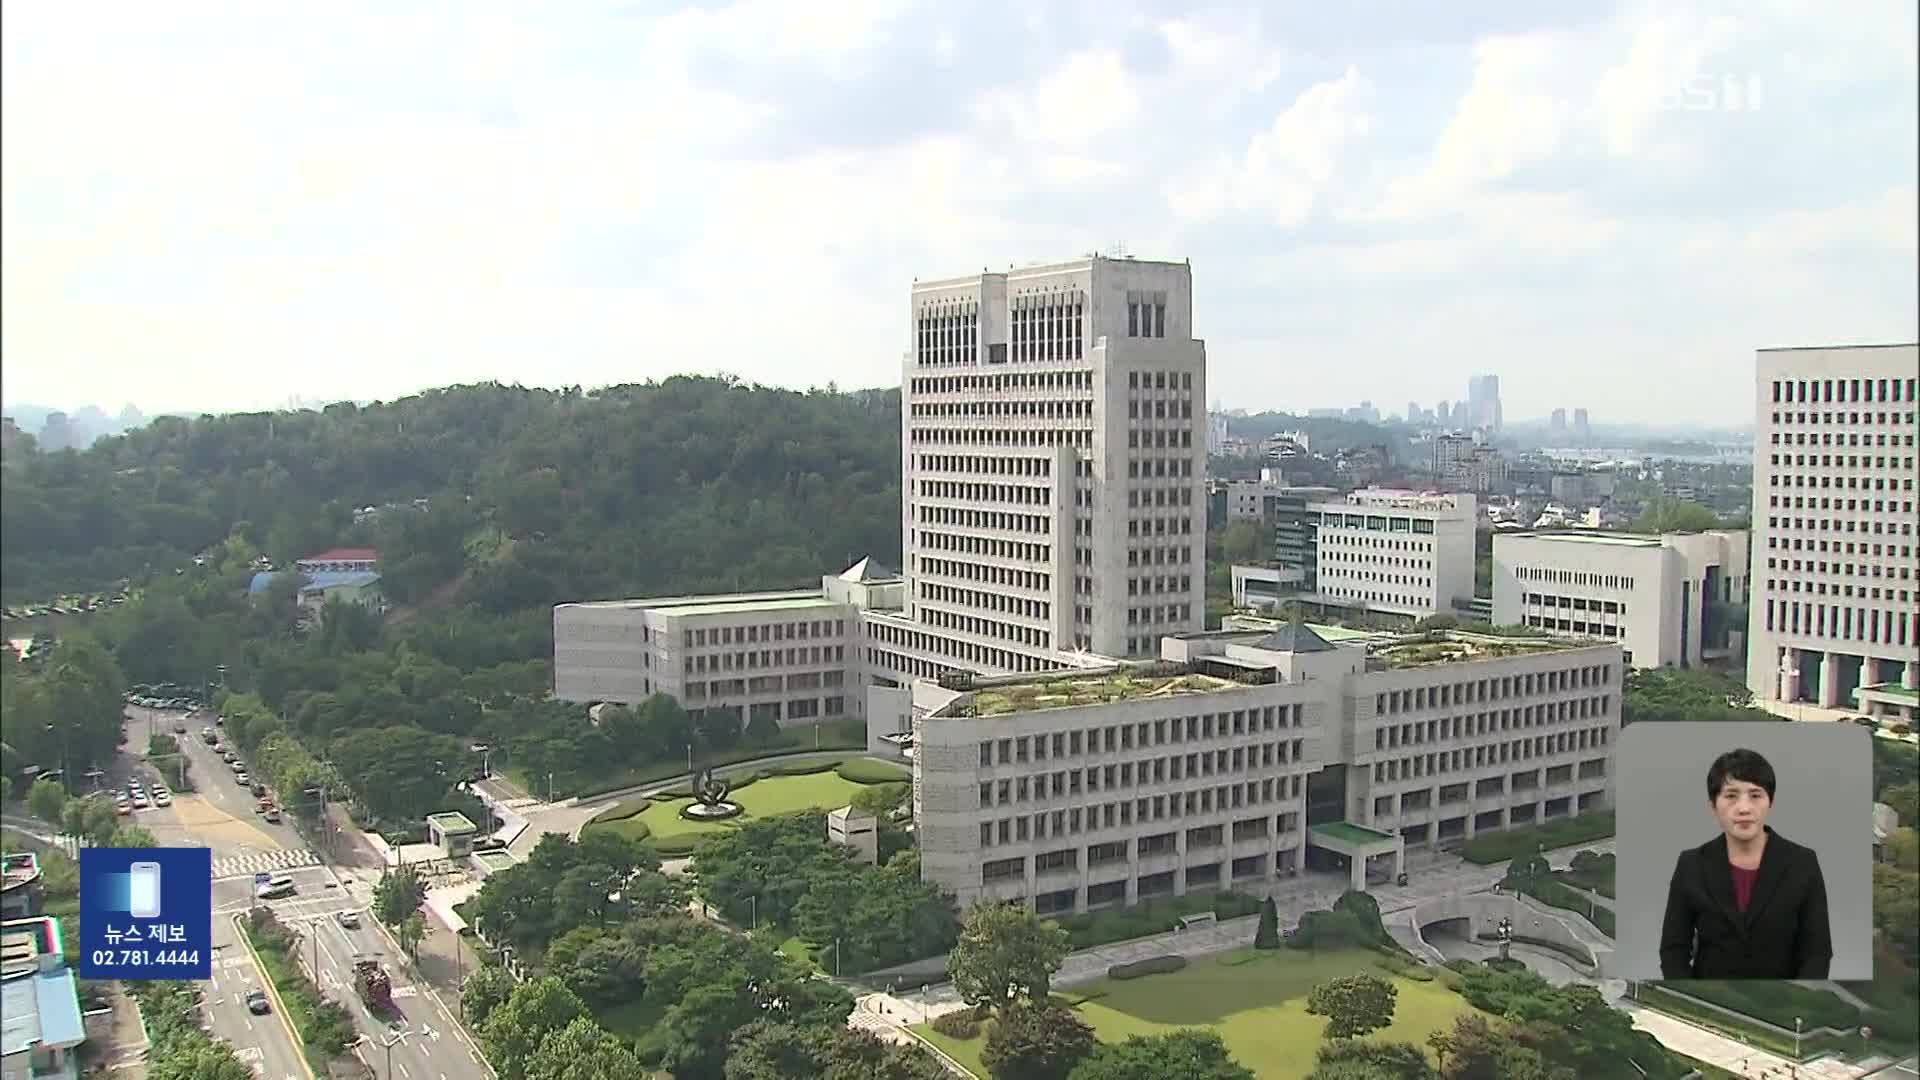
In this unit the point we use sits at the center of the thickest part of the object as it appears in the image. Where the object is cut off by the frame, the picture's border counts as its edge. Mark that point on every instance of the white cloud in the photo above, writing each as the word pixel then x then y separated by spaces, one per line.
pixel 1287 170
pixel 1091 97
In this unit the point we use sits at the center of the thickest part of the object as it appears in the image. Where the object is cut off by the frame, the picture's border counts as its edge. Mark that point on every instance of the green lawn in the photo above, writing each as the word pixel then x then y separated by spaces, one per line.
pixel 762 798
pixel 1258 1005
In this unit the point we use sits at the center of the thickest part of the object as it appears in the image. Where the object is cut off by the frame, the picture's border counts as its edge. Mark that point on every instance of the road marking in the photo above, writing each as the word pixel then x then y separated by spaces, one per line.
pixel 402 1066
pixel 248 1053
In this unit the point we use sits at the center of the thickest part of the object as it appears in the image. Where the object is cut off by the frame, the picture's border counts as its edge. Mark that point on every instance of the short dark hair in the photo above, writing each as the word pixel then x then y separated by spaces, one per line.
pixel 1744 765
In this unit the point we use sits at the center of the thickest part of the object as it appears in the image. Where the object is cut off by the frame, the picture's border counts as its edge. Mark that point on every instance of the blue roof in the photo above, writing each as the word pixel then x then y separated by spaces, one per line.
pixel 340 579
pixel 42 1009
pixel 261 582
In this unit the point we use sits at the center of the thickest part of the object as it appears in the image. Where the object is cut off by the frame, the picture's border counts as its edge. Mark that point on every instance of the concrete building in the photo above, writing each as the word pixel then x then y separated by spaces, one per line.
pixel 340 561
pixel 783 654
pixel 1405 553
pixel 1664 599
pixel 1482 405
pixel 1052 470
pixel 1835 612
pixel 1464 463
pixel 41 1028
pixel 1252 500
pixel 1246 755
pixel 21 889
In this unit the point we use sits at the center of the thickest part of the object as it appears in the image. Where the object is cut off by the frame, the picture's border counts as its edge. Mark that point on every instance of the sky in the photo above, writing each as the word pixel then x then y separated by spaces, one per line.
pixel 1609 205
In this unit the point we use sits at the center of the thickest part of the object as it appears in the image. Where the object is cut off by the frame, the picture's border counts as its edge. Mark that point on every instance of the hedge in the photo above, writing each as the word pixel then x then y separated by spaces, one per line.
pixel 676 846
pixel 869 771
pixel 1152 965
pixel 619 811
pixel 1158 915
pixel 1493 847
pixel 1777 1003
pixel 959 1024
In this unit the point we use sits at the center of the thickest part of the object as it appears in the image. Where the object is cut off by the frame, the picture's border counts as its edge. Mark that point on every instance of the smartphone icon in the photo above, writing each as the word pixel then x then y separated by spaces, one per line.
pixel 143 890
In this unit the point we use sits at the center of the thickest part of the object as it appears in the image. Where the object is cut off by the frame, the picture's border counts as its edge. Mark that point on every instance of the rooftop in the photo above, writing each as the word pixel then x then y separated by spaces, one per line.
pixel 1451 647
pixel 664 603
pixel 728 606
pixel 39 1005
pixel 1614 539
pixel 453 823
pixel 19 869
pixel 1065 690
pixel 345 554
pixel 1350 833
pixel 339 579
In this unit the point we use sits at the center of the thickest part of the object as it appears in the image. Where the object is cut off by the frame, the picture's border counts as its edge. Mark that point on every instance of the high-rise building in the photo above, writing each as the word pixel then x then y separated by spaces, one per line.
pixel 1407 553
pixel 1834 617
pixel 1483 403
pixel 1053 477
pixel 1580 425
pixel 1559 421
pixel 1443 413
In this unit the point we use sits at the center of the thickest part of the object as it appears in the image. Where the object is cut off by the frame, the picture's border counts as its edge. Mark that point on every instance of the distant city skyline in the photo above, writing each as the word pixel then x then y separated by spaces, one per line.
pixel 221 206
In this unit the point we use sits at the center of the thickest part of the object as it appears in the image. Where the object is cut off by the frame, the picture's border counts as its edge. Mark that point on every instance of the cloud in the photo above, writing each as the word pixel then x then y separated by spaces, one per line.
pixel 219 205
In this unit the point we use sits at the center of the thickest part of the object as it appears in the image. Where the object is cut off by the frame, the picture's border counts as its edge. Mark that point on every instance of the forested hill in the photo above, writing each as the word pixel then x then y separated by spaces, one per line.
pixel 530 496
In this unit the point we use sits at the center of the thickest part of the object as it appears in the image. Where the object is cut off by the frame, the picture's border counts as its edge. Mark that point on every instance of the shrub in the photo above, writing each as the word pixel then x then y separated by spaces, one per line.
pixel 674 847
pixel 869 771
pixel 959 1024
pixel 1152 965
pixel 1493 847
pixel 804 768
pixel 673 793
pixel 619 811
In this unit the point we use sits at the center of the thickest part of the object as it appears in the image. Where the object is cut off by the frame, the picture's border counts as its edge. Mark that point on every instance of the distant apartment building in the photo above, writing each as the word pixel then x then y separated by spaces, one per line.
pixel 1405 553
pixel 1249 755
pixel 1463 463
pixel 1835 613
pixel 1252 500
pixel 1664 599
pixel 1558 421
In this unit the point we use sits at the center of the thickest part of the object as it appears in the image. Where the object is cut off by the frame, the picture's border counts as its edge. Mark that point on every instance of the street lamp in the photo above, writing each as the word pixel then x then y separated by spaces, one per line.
pixel 398 1038
pixel 1796 1045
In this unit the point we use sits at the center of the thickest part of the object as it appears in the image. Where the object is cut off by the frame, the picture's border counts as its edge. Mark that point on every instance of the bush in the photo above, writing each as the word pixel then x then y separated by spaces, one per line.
pixel 1507 844
pixel 619 811
pixel 674 847
pixel 869 771
pixel 804 768
pixel 1156 916
pixel 1152 965
pixel 959 1024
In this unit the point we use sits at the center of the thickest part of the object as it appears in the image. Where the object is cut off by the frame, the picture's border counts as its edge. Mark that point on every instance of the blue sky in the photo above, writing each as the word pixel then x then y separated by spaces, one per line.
pixel 229 205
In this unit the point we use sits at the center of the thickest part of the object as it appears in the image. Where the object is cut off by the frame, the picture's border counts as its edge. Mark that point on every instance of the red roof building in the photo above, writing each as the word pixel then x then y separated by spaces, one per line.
pixel 340 560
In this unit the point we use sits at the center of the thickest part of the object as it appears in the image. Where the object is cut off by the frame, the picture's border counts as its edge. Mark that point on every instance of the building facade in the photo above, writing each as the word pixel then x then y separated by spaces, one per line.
pixel 1835 613
pixel 1463 463
pixel 1054 459
pixel 1405 553
pixel 1249 755
pixel 1666 600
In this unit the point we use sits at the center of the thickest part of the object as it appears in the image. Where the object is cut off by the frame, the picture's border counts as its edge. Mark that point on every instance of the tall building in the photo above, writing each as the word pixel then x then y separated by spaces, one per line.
pixel 1580 426
pixel 1834 617
pixel 1482 404
pixel 1052 474
pixel 1559 421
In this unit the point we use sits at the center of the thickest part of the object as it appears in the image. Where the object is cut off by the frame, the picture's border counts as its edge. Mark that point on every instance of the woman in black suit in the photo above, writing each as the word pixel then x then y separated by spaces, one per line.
pixel 1748 904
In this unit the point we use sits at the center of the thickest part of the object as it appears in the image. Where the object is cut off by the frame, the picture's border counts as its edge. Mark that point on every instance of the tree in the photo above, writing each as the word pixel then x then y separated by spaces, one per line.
pixel 1005 952
pixel 1477 1049
pixel 46 799
pixel 92 819
pixel 1190 1053
pixel 409 932
pixel 880 800
pixel 1905 801
pixel 1245 542
pixel 773 1051
pixel 1353 1004
pixel 583 1050
pixel 1354 1059
pixel 516 1028
pixel 1267 934
pixel 1665 515
pixel 486 988
pixel 1903 849
pixel 131 836
pixel 398 894
pixel 1039 1040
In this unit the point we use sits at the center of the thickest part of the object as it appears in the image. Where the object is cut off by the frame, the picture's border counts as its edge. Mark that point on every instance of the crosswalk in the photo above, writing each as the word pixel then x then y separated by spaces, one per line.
pixel 264 862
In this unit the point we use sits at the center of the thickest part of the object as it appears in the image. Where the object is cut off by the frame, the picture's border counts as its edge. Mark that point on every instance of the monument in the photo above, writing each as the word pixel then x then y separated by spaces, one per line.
pixel 709 798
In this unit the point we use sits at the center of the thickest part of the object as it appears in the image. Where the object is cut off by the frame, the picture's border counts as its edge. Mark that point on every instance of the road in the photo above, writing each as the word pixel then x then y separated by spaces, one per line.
pixel 219 814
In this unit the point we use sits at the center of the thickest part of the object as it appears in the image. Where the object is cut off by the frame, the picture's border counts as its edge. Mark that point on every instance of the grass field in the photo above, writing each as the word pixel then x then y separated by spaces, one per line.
pixel 762 798
pixel 1257 1002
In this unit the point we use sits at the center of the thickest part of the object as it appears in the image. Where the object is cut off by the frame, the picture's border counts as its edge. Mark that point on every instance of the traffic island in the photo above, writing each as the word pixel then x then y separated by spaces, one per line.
pixel 321 1026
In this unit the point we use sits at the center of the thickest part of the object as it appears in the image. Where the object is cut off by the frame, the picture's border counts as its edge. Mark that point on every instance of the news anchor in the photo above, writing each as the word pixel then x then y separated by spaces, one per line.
pixel 1748 904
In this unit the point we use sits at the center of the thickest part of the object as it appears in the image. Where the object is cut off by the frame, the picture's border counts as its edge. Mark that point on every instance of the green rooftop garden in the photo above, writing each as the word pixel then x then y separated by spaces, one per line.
pixel 1069 691
pixel 1454 650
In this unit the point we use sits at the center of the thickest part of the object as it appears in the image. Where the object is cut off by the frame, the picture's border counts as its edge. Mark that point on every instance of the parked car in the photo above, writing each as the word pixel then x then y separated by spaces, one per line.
pixel 257 1003
pixel 161 798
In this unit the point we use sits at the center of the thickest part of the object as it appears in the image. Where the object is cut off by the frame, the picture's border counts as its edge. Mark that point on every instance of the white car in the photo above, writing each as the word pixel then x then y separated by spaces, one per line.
pixel 161 798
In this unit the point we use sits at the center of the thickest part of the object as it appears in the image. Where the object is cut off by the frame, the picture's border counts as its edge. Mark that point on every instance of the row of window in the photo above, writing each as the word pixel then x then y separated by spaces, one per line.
pixel 1842 390
pixel 1140 468
pixel 1052 408
pixel 754 659
pixel 1574 577
pixel 1169 614
pixel 1821 588
pixel 1160 439
pixel 947 331
pixel 1841 569
pixel 1508 788
pixel 1853 418
pixel 1047 325
pixel 1471 758
pixel 1492 688
pixel 1159 583
pixel 780 631
pixel 1001 382
pixel 1841 461
pixel 990 546
pixel 1159 410
pixel 1172 806
pixel 1009 494
pixel 1159 496
pixel 979 435
pixel 1577 603
pixel 1844 622
pixel 996 520
pixel 1140 734
pixel 1575 626
pixel 982 600
pixel 992 465
pixel 1029 580
pixel 1152 772
pixel 719 693
pixel 1844 438
pixel 981 626
pixel 1875 528
pixel 1392 736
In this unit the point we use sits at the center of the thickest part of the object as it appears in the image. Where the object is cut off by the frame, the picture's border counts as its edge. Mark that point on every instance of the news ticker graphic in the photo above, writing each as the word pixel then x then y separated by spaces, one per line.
pixel 146 913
